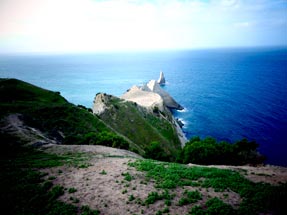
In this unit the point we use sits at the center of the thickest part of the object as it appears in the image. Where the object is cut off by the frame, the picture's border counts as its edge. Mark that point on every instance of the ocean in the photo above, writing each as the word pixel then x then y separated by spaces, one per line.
pixel 228 94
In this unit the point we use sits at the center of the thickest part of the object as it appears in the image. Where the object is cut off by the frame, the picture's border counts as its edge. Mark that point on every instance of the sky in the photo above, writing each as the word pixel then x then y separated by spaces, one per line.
pixel 133 25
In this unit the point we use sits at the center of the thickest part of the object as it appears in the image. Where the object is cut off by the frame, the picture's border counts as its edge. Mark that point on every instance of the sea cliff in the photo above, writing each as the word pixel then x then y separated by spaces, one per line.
pixel 150 106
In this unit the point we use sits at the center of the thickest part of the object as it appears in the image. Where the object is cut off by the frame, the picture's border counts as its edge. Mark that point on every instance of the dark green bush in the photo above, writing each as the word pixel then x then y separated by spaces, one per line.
pixel 190 197
pixel 208 151
pixel 103 138
pixel 56 192
pixel 213 206
pixel 87 211
pixel 72 190
pixel 155 151
pixel 152 198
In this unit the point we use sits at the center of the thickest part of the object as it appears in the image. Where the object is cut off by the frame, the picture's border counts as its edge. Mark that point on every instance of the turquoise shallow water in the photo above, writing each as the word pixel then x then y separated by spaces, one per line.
pixel 227 93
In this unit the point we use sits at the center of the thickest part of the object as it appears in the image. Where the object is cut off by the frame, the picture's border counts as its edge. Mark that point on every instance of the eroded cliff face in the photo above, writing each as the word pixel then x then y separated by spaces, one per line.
pixel 138 123
pixel 99 104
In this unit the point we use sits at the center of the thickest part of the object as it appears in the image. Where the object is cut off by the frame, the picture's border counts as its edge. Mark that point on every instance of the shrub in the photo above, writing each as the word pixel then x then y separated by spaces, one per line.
pixel 155 109
pixel 155 151
pixel 190 197
pixel 103 138
pixel 56 192
pixel 208 151
pixel 128 177
pixel 152 198
pixel 87 211
pixel 72 190
pixel 103 172
pixel 213 206
pixel 131 198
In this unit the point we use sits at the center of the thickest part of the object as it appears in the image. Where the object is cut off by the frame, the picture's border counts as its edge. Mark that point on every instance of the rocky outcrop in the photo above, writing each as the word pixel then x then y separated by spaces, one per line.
pixel 151 95
pixel 161 79
pixel 99 104
pixel 144 98
pixel 168 101
pixel 134 107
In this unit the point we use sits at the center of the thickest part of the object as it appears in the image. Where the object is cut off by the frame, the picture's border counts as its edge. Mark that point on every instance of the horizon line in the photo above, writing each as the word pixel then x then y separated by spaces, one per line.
pixel 140 50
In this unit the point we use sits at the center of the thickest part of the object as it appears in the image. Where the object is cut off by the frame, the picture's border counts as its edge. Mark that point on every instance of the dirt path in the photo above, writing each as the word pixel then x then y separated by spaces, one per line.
pixel 14 125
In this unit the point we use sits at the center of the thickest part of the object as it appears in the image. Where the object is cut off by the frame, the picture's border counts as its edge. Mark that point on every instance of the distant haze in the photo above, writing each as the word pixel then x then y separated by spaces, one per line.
pixel 133 25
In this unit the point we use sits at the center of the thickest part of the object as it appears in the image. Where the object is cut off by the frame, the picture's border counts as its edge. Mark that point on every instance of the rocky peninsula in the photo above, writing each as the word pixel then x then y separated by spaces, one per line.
pixel 150 99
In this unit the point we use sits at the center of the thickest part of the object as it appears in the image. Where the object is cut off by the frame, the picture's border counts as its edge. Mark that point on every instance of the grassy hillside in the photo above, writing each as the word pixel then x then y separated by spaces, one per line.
pixel 141 126
pixel 24 190
pixel 49 112
pixel 46 110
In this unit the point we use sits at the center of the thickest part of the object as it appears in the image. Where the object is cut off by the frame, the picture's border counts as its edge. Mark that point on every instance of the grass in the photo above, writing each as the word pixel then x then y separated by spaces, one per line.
pixel 103 172
pixel 140 126
pixel 131 198
pixel 127 176
pixel 72 190
pixel 213 206
pixel 46 110
pixel 256 197
pixel 190 197
pixel 50 113
pixel 22 185
pixel 87 211
pixel 155 196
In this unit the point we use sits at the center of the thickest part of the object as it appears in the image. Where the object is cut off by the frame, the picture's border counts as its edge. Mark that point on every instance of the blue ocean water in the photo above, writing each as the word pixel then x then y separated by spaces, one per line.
pixel 228 94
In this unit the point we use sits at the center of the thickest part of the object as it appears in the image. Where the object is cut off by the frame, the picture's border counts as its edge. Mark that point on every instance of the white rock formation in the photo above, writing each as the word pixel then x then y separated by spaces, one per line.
pixel 168 101
pixel 147 99
pixel 99 106
pixel 161 79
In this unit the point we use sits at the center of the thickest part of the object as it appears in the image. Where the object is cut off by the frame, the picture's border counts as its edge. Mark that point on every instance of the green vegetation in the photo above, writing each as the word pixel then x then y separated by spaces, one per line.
pixel 72 190
pixel 208 151
pixel 256 197
pixel 148 133
pixel 46 110
pixel 104 138
pixel 190 197
pixel 131 198
pixel 141 126
pixel 127 176
pixel 155 151
pixel 213 206
pixel 87 211
pixel 54 116
pixel 155 196
pixel 23 188
pixel 74 200
pixel 152 198
pixel 103 172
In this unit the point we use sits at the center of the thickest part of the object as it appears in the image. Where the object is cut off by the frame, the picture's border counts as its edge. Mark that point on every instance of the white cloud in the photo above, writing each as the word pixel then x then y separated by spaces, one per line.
pixel 244 24
pixel 86 25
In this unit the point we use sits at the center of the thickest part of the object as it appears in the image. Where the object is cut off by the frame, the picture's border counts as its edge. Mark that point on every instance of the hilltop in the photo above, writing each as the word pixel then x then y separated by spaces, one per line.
pixel 56 159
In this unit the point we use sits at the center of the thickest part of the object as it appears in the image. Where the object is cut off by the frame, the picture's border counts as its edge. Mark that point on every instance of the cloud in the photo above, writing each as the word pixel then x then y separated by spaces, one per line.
pixel 229 3
pixel 96 25
pixel 244 24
